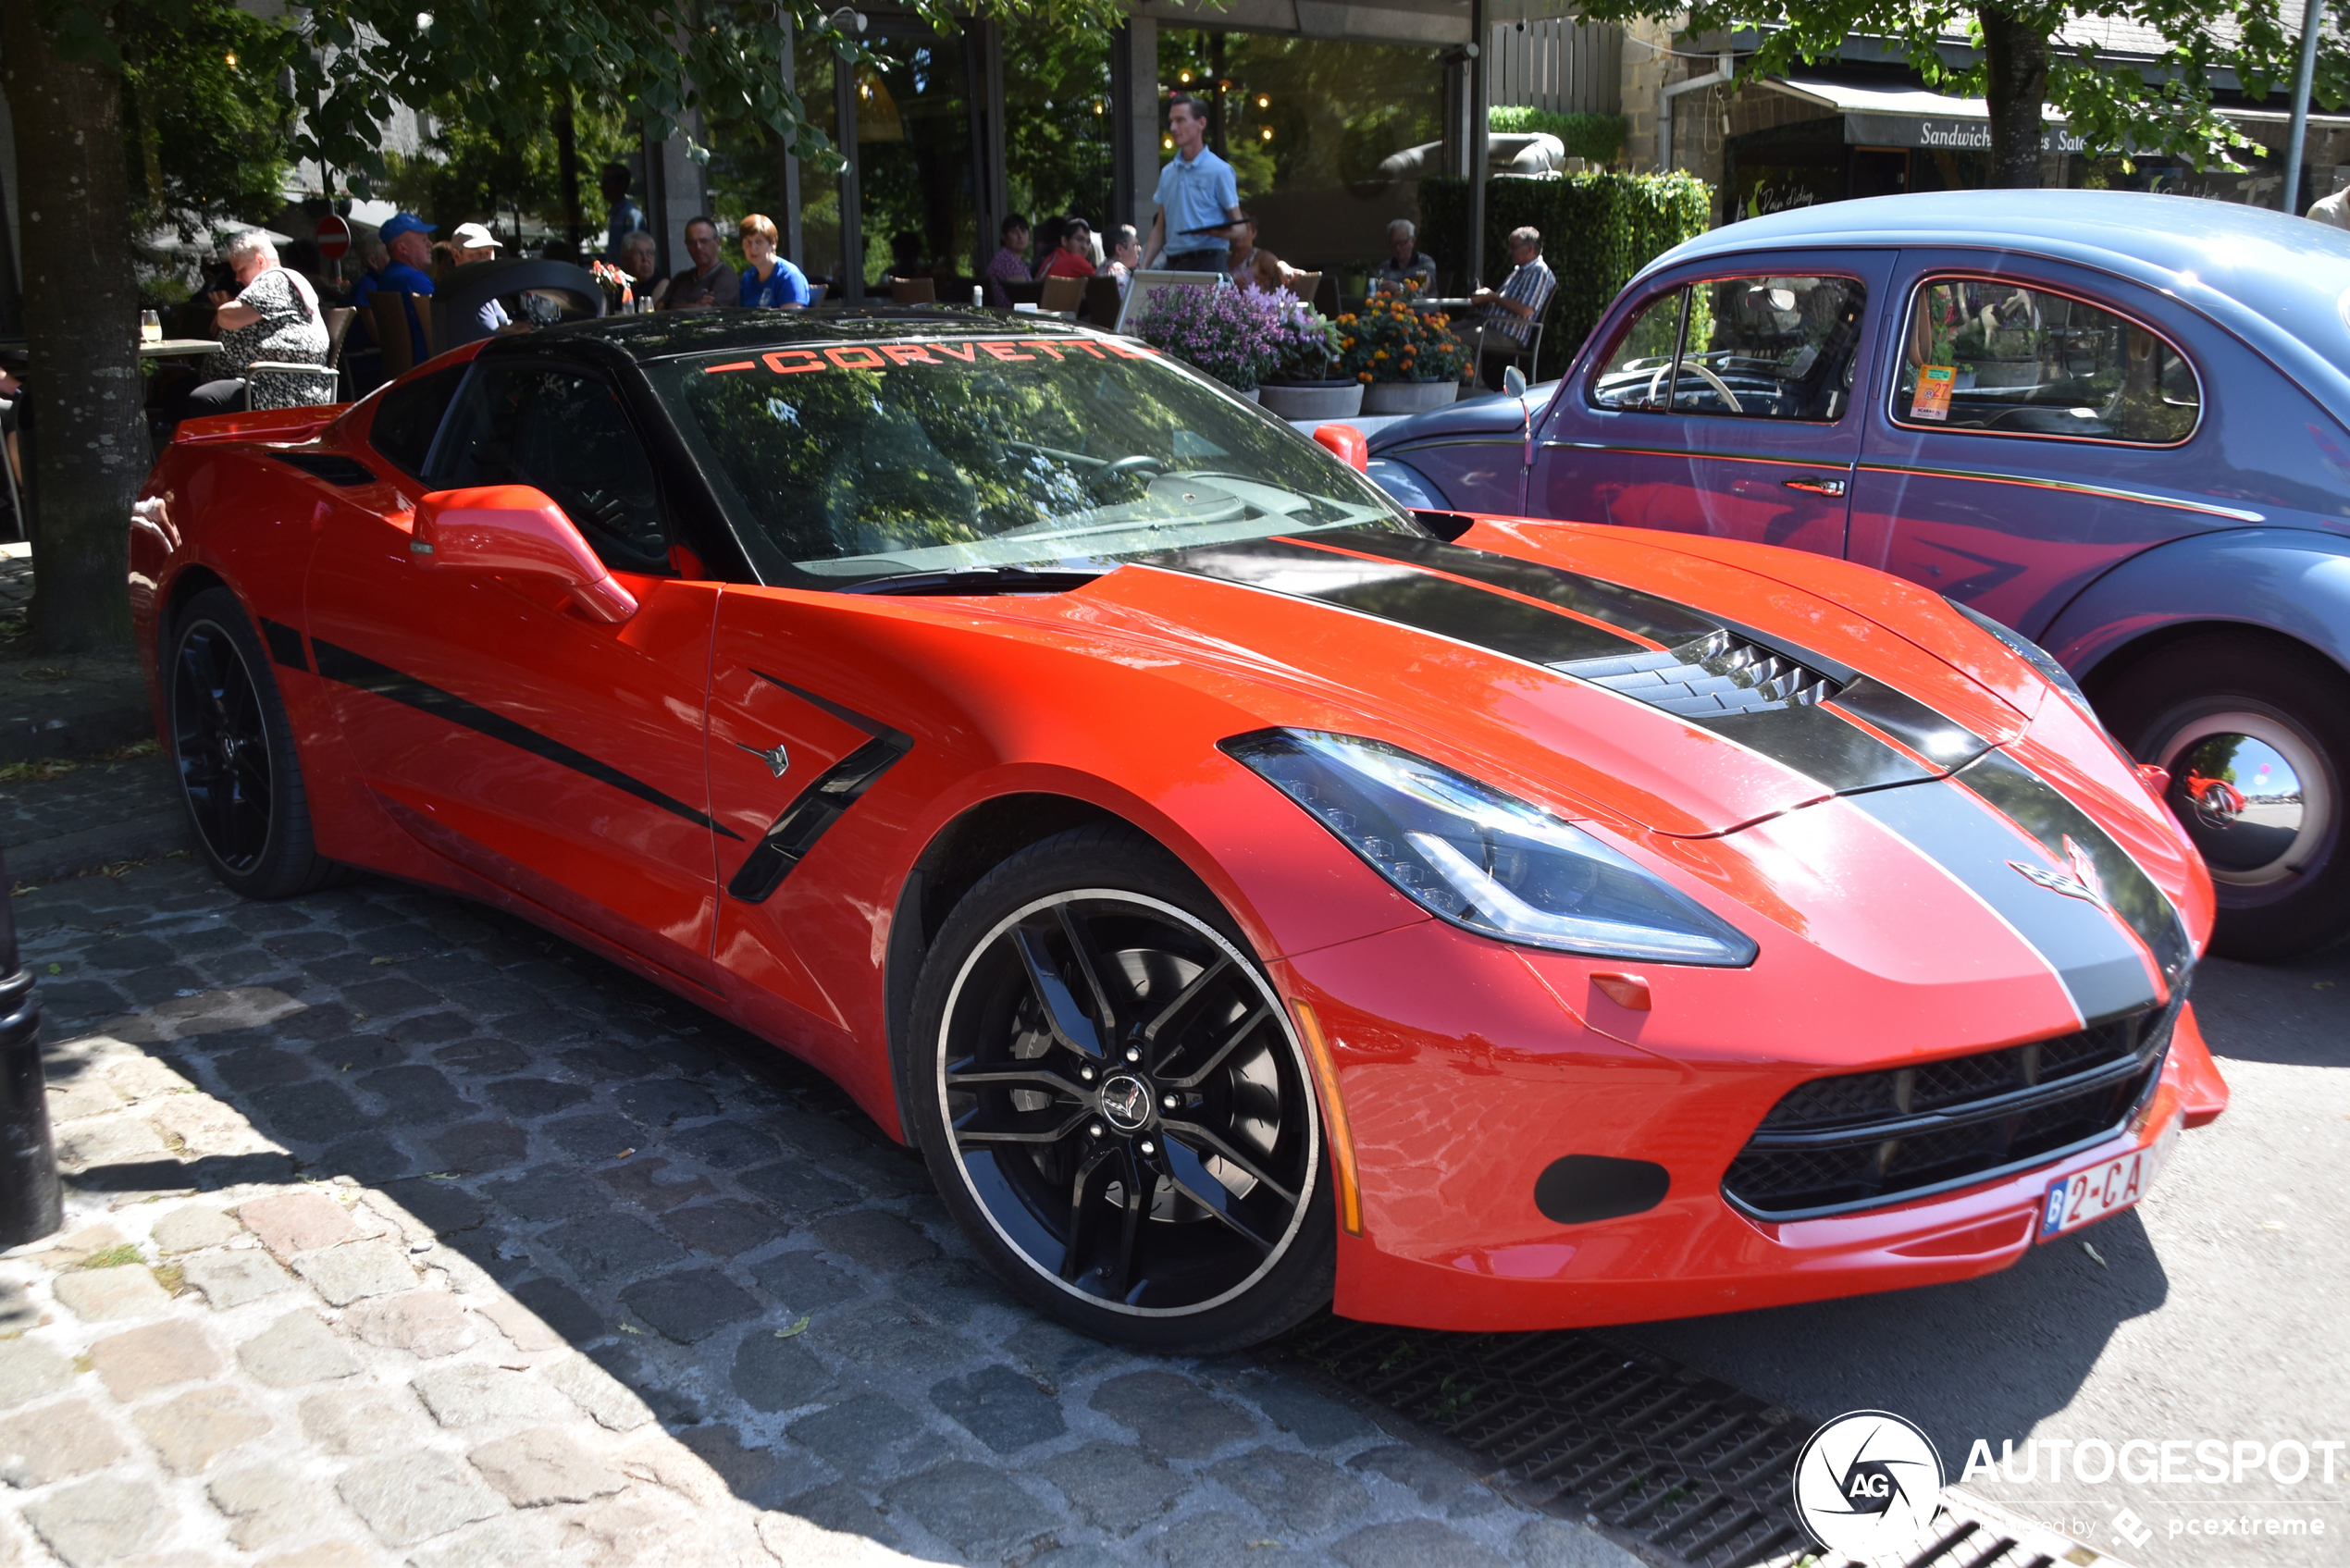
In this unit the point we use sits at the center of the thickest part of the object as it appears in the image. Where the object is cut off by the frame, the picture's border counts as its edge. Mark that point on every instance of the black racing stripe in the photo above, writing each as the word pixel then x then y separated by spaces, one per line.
pixel 1957 830
pixel 285 644
pixel 1942 741
pixel 1818 744
pixel 2035 805
pixel 357 669
pixel 1402 594
pixel 1644 614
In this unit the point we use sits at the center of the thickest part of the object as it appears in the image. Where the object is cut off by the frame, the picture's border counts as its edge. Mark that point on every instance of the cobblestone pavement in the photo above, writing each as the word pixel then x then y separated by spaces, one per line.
pixel 401 1232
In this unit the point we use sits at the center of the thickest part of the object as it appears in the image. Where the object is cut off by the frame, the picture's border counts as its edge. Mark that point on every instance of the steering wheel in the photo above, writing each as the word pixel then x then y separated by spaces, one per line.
pixel 1657 381
pixel 1140 463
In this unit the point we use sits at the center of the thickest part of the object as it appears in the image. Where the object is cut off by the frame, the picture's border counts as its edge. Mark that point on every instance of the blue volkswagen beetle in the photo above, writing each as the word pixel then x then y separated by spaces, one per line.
pixel 2118 424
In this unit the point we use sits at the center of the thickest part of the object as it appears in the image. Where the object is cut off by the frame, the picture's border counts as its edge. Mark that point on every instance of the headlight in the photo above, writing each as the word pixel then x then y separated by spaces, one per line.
pixel 1483 859
pixel 1407 485
pixel 2032 653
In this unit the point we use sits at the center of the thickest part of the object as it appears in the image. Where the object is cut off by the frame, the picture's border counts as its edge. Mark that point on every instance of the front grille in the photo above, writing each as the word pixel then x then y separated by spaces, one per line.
pixel 1858 1140
pixel 1719 673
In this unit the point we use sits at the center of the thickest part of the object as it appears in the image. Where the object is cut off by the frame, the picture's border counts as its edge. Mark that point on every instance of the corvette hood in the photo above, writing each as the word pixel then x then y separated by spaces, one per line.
pixel 1674 694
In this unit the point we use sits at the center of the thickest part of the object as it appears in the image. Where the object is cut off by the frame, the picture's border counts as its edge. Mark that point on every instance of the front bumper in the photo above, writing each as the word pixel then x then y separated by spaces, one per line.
pixel 1467 1068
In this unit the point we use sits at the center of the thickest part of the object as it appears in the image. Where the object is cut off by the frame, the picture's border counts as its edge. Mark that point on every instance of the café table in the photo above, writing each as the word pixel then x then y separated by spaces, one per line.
pixel 177 348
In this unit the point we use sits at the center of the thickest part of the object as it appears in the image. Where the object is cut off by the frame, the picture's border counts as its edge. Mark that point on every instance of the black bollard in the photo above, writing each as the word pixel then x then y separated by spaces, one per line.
pixel 30 1206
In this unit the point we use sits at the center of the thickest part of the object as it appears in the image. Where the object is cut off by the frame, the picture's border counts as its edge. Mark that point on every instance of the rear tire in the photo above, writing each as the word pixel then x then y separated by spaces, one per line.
pixel 1115 1104
pixel 234 752
pixel 2256 732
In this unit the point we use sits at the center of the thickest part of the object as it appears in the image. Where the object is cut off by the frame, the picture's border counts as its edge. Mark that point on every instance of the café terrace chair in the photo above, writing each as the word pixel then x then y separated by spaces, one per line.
pixel 1306 285
pixel 1501 343
pixel 1102 300
pixel 338 320
pixel 914 290
pixel 1019 292
pixel 392 330
pixel 1060 294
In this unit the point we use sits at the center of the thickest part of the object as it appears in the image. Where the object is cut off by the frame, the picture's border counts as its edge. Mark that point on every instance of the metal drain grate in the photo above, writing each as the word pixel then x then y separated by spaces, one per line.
pixel 1575 1424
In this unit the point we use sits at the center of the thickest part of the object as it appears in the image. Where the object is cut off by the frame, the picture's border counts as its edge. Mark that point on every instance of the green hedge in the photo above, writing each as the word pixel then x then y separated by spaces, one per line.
pixel 1598 229
pixel 1599 138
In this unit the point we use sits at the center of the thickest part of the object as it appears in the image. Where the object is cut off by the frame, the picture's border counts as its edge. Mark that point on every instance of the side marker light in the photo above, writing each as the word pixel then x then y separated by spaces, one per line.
pixel 1350 1197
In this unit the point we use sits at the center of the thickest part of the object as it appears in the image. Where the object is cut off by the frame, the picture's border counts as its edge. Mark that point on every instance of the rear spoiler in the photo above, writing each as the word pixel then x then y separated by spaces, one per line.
pixel 274 425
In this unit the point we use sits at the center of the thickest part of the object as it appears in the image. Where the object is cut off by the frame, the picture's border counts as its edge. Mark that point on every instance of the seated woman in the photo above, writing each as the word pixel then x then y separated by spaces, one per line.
pixel 274 316
pixel 768 279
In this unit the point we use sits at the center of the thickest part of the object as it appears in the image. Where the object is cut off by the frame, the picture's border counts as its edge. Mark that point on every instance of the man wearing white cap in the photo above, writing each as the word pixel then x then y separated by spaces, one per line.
pixel 473 243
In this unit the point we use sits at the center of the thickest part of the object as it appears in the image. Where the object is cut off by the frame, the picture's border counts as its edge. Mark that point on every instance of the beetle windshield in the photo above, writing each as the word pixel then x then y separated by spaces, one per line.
pixel 853 464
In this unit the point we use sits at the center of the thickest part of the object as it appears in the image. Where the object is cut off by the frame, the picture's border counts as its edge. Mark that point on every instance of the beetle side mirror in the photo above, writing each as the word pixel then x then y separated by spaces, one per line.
pixel 517 531
pixel 1348 443
pixel 1514 381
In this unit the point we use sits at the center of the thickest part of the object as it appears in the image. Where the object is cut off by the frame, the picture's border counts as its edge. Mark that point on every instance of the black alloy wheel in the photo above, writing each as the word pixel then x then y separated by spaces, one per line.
pixel 2255 731
pixel 234 753
pixel 1116 1104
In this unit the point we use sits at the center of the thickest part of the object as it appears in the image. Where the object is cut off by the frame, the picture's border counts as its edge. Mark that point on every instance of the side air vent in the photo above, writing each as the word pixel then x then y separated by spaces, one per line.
pixel 1717 674
pixel 334 468
pixel 1860 1139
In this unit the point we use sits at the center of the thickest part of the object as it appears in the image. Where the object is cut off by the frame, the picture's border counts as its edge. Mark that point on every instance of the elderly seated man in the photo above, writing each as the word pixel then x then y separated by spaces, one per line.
pixel 1406 265
pixel 275 316
pixel 640 259
pixel 1503 319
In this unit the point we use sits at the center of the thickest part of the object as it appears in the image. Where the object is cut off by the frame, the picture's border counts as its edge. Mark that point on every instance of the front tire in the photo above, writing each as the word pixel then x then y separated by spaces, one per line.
pixel 233 750
pixel 1115 1103
pixel 2255 734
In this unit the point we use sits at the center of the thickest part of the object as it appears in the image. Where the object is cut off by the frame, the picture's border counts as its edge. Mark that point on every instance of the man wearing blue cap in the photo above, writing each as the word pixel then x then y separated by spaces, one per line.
pixel 407 238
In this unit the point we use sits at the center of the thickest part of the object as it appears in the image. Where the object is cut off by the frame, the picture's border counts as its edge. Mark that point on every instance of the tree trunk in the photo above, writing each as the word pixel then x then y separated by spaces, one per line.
pixel 81 321
pixel 2015 59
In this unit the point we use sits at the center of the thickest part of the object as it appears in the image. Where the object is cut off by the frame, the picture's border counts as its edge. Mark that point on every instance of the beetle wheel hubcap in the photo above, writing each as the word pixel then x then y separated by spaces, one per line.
pixel 2253 793
pixel 1128 1106
pixel 222 745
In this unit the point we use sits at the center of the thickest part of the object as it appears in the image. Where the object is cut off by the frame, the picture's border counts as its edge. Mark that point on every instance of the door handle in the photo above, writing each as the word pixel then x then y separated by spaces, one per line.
pixel 1815 486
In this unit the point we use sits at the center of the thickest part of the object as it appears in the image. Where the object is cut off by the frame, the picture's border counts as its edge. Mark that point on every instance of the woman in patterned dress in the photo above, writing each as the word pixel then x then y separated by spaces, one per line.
pixel 274 316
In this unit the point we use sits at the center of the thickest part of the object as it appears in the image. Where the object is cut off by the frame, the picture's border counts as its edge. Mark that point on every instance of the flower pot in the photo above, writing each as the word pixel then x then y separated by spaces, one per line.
pixel 1312 400
pixel 1408 397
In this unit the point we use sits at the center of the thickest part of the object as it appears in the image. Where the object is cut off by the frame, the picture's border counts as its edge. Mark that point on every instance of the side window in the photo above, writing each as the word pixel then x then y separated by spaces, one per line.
pixel 565 434
pixel 408 417
pixel 1742 348
pixel 1978 353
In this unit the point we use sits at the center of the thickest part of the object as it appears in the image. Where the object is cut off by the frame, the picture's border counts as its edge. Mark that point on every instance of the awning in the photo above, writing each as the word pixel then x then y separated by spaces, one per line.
pixel 1896 115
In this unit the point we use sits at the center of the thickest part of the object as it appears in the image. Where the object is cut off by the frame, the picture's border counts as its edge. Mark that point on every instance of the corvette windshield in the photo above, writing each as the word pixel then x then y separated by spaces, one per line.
pixel 853 464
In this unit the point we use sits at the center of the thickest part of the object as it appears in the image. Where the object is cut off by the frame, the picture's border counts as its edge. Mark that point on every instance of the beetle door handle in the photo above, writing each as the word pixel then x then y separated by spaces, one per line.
pixel 1815 486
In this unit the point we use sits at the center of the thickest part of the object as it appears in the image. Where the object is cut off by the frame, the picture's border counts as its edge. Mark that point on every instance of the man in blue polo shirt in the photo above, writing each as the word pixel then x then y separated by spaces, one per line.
pixel 408 238
pixel 1196 191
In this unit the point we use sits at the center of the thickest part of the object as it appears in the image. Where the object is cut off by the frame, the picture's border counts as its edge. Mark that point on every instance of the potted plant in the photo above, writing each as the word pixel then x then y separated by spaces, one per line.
pixel 1227 333
pixel 1306 384
pixel 1405 358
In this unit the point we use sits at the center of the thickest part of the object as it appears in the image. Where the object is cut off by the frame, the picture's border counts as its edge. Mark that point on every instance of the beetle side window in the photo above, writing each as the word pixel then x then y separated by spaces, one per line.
pixel 408 416
pixel 1741 348
pixel 565 434
pixel 1986 354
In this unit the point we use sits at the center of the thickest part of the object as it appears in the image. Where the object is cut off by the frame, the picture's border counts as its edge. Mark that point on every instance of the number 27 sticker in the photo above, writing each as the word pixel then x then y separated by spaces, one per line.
pixel 1933 399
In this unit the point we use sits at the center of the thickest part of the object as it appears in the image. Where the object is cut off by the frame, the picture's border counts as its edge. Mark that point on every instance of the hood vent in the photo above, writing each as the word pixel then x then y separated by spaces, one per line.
pixel 1716 675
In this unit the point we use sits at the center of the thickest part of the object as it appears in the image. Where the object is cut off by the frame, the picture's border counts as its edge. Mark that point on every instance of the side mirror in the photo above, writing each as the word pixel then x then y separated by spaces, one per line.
pixel 515 530
pixel 1348 443
pixel 1514 381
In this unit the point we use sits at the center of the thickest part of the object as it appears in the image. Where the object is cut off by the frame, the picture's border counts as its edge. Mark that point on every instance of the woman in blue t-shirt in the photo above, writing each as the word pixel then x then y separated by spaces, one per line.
pixel 769 279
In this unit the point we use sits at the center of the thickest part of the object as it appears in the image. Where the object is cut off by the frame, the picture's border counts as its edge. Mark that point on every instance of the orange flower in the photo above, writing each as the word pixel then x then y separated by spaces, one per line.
pixel 1364 376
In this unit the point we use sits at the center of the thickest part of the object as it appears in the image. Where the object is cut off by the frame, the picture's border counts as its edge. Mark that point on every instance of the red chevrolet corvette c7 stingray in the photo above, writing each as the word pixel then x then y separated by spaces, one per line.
pixel 1247 892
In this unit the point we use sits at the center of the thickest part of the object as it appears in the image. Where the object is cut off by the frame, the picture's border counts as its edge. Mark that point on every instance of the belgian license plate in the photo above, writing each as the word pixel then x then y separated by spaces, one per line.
pixel 2085 1197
